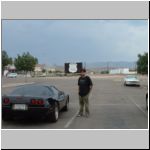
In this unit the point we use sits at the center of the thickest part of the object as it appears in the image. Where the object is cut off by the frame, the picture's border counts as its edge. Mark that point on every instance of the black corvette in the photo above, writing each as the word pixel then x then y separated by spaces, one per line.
pixel 35 100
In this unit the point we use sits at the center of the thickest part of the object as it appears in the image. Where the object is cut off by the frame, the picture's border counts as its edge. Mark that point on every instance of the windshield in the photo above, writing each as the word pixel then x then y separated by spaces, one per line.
pixel 32 91
pixel 13 73
pixel 131 77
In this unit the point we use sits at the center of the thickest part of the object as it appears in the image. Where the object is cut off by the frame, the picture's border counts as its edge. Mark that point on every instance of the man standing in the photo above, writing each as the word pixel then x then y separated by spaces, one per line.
pixel 85 85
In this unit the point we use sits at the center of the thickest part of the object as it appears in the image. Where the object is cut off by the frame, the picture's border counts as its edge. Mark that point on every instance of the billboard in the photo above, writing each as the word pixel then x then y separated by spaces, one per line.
pixel 73 67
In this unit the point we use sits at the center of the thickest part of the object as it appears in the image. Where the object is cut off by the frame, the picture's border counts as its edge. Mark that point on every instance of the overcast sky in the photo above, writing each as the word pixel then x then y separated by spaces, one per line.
pixel 59 41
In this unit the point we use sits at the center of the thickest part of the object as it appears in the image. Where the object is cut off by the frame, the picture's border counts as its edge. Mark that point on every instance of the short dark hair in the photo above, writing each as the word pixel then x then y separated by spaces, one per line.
pixel 83 70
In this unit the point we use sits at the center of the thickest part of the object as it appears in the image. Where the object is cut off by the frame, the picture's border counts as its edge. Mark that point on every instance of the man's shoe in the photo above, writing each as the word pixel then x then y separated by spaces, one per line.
pixel 87 115
pixel 79 115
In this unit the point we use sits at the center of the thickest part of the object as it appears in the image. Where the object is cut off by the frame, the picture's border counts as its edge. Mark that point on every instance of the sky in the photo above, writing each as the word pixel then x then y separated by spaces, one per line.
pixel 55 42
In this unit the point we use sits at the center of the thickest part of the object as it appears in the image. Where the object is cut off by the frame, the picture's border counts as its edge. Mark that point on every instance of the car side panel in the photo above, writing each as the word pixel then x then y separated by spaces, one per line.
pixel 62 101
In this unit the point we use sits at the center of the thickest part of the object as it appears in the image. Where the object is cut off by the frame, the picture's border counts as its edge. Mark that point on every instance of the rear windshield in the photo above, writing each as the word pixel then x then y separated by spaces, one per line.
pixel 33 91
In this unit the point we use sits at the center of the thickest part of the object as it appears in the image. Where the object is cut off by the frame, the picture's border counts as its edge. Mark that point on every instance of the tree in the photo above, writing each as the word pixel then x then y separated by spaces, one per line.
pixel 105 72
pixel 26 62
pixel 5 60
pixel 142 63
pixel 43 70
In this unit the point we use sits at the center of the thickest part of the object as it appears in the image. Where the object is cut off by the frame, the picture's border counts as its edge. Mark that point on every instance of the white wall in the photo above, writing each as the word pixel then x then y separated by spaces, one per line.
pixel 119 71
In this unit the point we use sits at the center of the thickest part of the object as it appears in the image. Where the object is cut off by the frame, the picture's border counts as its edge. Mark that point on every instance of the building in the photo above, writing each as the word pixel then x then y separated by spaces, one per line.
pixel 39 67
pixel 10 68
pixel 119 71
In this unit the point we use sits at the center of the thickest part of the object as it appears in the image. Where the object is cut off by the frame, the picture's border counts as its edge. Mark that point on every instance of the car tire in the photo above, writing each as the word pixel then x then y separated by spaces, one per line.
pixel 67 105
pixel 54 115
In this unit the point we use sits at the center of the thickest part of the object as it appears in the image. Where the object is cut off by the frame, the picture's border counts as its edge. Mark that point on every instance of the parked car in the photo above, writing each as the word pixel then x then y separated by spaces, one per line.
pixel 12 75
pixel 147 100
pixel 35 100
pixel 131 80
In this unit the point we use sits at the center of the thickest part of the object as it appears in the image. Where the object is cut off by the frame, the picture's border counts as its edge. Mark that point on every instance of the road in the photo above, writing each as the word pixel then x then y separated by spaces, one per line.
pixel 112 105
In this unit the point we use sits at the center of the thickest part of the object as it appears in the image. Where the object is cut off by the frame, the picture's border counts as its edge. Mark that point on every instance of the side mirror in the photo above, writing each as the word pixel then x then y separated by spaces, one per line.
pixel 61 95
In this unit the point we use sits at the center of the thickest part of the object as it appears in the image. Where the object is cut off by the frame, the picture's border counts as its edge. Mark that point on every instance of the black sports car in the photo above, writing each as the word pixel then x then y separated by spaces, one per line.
pixel 35 100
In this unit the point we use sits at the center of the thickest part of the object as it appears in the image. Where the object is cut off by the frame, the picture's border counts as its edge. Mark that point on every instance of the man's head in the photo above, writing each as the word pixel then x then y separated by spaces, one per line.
pixel 83 72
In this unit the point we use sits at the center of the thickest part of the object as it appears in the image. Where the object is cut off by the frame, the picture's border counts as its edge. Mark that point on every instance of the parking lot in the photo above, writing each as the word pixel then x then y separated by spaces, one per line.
pixel 112 105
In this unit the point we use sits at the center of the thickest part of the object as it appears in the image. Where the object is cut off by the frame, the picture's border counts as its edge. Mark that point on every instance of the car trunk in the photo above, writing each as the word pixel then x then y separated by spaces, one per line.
pixel 22 99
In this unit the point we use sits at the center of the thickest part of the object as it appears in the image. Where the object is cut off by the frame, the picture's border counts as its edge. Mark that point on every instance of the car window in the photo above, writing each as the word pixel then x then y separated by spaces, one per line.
pixel 131 77
pixel 56 91
pixel 33 91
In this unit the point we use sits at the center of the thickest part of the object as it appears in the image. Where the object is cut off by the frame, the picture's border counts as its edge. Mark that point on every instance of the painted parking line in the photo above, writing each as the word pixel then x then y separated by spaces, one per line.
pixel 71 120
pixel 74 116
pixel 132 100
pixel 15 84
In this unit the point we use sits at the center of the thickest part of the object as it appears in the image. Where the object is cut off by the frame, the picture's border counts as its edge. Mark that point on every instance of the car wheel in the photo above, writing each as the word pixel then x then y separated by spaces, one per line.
pixel 54 115
pixel 67 105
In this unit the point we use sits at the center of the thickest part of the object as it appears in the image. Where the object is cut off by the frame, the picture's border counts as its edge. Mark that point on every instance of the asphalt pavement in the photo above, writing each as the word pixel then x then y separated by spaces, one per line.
pixel 112 105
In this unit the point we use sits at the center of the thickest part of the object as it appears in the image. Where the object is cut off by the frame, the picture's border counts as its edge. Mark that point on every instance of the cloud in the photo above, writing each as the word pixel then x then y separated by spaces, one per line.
pixel 56 41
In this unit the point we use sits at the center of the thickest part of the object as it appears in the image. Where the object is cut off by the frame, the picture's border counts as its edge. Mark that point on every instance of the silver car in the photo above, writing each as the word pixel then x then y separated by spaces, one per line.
pixel 131 80
pixel 12 75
